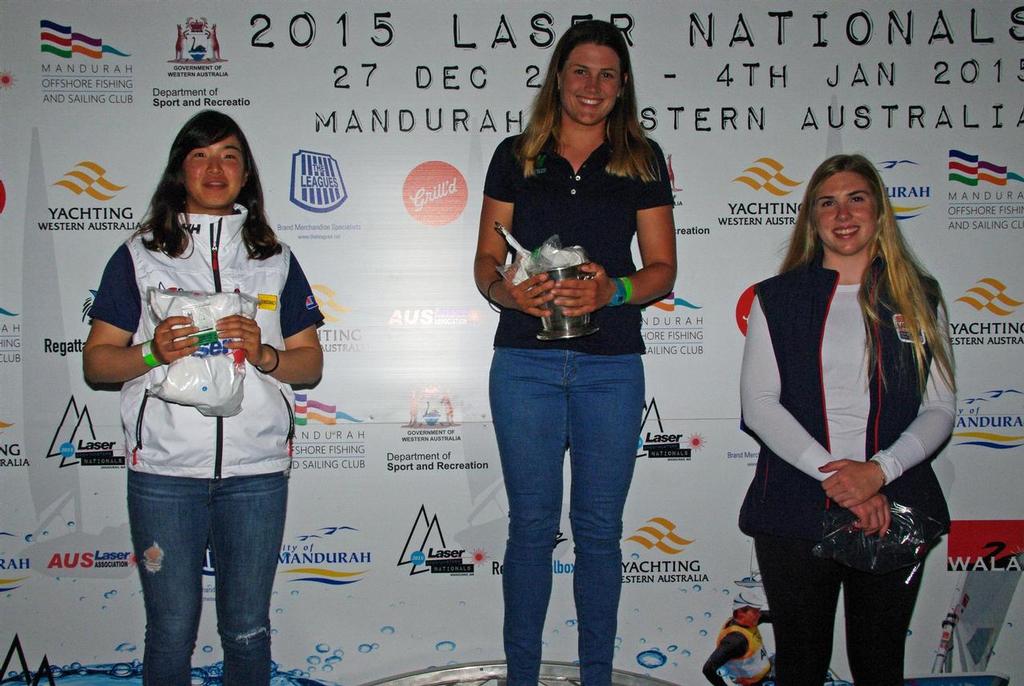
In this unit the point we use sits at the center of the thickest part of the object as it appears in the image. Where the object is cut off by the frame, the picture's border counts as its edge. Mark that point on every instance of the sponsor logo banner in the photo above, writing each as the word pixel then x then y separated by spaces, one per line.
pixel 998 306
pixel 426 552
pixel 659 558
pixel 979 545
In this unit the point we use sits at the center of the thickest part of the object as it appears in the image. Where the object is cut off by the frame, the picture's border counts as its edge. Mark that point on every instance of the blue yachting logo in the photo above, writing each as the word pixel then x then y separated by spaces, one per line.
pixel 317 185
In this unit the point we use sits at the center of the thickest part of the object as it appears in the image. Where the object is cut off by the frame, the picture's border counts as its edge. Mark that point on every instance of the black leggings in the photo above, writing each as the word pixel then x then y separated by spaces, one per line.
pixel 803 592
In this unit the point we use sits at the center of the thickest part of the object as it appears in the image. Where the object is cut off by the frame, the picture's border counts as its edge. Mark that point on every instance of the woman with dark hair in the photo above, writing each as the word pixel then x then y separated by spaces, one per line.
pixel 195 481
pixel 847 382
pixel 584 170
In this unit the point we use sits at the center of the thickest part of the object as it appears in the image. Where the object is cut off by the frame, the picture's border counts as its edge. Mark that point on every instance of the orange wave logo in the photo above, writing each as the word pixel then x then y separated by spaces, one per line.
pixel 766 175
pixel 89 178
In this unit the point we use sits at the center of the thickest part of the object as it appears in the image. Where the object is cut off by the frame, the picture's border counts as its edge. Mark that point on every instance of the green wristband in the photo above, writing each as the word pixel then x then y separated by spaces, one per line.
pixel 147 354
pixel 629 289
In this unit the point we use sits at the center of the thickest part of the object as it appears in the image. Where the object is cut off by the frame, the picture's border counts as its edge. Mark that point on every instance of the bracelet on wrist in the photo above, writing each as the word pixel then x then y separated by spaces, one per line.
pixel 490 301
pixel 277 361
pixel 885 475
pixel 623 291
pixel 147 354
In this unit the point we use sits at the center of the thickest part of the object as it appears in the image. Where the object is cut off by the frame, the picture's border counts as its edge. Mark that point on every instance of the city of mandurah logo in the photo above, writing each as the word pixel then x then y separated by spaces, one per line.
pixel 657 561
pixel 771 185
pixel 317 184
pixel 673 326
pixel 75 442
pixel 992 420
pixel 435 193
pixel 326 557
pixel 985 545
pixel 326 438
pixel 907 195
pixel 80 68
pixel 15 569
pixel 983 195
pixel 425 550
pixel 987 314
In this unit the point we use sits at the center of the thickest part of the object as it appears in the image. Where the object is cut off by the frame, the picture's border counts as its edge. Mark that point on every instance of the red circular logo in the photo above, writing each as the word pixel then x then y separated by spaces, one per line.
pixel 435 193
pixel 743 308
pixel 3 197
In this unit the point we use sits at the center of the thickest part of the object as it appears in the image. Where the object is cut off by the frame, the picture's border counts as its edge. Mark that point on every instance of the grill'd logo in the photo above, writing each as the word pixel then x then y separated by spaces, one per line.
pixel 435 193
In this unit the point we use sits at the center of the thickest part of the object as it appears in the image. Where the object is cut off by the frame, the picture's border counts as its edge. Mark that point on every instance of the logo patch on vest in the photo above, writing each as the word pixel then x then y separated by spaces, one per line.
pixel 901 329
pixel 267 301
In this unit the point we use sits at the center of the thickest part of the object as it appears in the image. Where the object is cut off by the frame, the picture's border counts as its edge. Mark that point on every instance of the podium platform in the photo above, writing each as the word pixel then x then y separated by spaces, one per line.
pixel 493 674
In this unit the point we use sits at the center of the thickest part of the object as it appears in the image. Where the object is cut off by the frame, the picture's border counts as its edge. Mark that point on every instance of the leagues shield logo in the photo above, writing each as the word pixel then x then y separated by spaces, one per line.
pixel 317 185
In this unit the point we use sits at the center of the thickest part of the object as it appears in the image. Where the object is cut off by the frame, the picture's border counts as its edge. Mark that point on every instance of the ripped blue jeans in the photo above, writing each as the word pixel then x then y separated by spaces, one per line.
pixel 173 519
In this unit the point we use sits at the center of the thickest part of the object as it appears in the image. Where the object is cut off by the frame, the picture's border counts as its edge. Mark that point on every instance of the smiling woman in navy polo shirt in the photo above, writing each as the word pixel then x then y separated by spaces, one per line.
pixel 584 170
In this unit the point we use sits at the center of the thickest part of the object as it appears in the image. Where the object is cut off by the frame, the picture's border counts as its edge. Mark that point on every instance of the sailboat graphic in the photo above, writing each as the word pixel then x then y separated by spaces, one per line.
pixel 971 628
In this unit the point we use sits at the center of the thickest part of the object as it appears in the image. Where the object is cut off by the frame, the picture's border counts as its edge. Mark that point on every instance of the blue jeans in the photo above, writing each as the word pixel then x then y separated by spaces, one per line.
pixel 542 402
pixel 173 519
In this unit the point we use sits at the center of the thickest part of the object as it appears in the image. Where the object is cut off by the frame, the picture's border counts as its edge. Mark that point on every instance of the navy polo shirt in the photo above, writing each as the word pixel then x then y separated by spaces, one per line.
pixel 118 302
pixel 589 207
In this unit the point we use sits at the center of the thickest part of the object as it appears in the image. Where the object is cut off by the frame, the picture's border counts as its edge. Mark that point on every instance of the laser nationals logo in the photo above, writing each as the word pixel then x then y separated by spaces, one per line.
pixel 435 193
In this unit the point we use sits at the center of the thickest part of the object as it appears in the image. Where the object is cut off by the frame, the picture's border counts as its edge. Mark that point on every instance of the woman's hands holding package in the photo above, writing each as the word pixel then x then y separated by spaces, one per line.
pixel 243 333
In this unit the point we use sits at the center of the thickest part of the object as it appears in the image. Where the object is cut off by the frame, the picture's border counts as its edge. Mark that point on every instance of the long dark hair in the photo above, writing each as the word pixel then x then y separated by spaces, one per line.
pixel 162 227
pixel 632 155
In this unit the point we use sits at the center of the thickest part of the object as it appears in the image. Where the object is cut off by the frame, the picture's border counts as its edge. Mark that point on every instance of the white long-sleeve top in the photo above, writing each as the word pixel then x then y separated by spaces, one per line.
pixel 847 401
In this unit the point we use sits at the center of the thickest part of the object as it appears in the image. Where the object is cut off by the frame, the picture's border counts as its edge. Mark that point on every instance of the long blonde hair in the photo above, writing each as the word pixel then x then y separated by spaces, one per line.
pixel 902 282
pixel 632 155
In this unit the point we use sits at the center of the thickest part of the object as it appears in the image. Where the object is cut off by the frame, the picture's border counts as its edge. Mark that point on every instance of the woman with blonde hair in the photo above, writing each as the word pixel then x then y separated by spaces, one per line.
pixel 584 170
pixel 847 382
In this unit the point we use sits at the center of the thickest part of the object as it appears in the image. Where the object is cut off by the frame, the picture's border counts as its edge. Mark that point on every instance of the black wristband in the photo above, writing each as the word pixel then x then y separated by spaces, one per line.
pixel 494 305
pixel 277 361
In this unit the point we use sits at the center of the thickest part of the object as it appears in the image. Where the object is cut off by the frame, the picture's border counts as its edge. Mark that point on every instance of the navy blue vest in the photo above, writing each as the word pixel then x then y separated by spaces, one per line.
pixel 782 500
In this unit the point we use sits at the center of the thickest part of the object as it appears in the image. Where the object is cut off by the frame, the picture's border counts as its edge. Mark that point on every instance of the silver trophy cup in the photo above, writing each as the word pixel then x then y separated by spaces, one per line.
pixel 556 325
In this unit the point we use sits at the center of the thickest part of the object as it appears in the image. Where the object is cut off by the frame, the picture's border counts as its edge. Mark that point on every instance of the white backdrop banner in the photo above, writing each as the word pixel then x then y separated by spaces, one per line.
pixel 373 124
